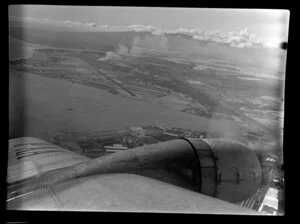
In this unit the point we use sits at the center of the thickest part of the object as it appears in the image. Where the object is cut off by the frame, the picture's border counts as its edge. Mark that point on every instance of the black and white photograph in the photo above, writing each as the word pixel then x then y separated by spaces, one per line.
pixel 146 109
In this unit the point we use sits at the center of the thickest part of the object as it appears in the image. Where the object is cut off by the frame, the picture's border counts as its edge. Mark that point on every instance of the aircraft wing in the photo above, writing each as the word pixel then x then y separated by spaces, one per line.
pixel 29 157
pixel 118 192
pixel 122 193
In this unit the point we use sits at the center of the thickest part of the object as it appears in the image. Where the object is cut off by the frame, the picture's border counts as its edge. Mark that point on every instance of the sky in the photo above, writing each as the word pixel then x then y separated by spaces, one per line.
pixel 267 25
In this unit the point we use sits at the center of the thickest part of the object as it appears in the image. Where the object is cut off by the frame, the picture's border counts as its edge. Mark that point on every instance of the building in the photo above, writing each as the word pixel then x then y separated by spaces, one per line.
pixel 115 147
pixel 97 150
pixel 270 202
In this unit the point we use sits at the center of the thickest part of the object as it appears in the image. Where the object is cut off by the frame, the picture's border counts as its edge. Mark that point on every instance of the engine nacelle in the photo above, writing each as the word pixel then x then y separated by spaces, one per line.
pixel 221 168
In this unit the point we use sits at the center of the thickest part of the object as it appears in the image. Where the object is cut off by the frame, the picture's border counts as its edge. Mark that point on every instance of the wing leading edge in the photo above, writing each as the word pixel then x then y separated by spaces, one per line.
pixel 122 193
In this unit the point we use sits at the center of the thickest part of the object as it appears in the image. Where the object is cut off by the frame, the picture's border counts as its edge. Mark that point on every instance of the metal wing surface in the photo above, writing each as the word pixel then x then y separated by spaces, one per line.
pixel 122 193
pixel 29 157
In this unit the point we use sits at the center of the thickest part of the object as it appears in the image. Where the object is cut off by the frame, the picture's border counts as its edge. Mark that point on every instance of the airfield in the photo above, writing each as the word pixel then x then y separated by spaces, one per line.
pixel 43 106
pixel 61 86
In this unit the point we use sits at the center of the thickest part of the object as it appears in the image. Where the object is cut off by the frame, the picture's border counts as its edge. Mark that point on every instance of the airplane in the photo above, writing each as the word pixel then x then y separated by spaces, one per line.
pixel 184 175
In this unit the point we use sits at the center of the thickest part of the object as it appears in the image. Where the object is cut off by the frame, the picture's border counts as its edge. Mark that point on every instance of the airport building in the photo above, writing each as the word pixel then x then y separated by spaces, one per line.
pixel 270 202
pixel 115 147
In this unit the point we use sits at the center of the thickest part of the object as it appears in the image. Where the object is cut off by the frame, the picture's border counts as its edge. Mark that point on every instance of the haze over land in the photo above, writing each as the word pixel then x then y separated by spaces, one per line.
pixel 71 80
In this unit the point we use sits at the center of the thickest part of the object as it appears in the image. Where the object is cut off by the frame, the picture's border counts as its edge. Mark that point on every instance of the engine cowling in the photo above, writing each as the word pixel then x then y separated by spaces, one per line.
pixel 221 168
pixel 229 170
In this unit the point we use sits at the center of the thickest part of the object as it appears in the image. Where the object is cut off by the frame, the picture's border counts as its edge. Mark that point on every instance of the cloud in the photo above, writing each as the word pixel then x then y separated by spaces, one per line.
pixel 68 23
pixel 136 46
pixel 135 50
pixel 136 41
pixel 76 24
pixel 122 49
pixel 141 28
pixel 110 56
pixel 242 39
pixel 275 42
pixel 91 24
